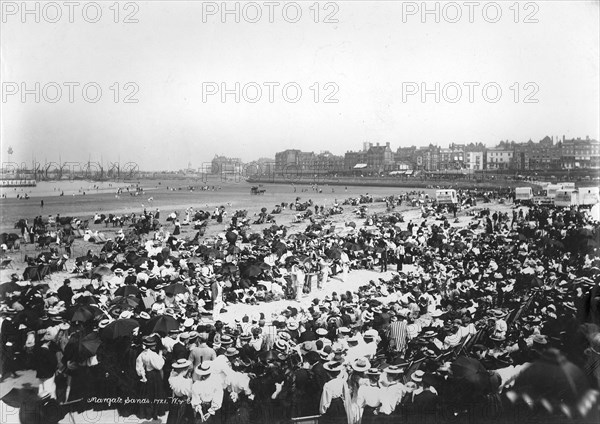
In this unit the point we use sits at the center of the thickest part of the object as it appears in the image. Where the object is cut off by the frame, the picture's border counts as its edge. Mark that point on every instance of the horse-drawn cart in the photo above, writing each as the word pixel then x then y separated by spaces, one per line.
pixel 257 190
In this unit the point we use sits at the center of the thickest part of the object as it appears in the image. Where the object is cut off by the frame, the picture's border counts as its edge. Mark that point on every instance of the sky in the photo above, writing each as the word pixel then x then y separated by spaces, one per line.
pixel 363 72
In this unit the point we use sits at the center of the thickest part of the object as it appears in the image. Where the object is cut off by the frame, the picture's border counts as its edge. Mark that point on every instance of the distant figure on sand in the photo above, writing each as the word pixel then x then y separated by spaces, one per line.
pixel 42 203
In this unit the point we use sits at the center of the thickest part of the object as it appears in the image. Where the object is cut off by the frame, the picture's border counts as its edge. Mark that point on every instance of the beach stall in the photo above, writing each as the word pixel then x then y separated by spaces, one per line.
pixel 446 197
pixel 566 198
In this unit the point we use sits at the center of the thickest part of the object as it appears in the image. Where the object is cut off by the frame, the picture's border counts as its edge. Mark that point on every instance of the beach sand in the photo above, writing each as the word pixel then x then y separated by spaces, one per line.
pixel 278 194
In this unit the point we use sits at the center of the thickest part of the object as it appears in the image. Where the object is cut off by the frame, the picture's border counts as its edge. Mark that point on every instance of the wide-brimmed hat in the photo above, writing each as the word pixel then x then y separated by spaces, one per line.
pixel 292 325
pixel 437 313
pixel 144 315
pixel 371 334
pixel 104 323
pixel 325 356
pixel 373 372
pixel 181 364
pixel 321 331
pixel 231 351
pixel 417 376
pixel 204 368
pixel 361 364
pixel 281 345
pixel 394 369
pixel 333 366
pixel 498 313
pixel 497 337
pixel 149 341
pixel 226 340
pixel 125 315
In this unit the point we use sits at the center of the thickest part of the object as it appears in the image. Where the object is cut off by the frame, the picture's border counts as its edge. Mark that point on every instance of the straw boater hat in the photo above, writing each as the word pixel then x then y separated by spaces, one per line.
pixel 394 369
pixel 144 315
pixel 371 334
pixel 125 315
pixel 181 364
pixel 373 372
pixel 148 341
pixel 231 351
pixel 325 356
pixel 417 376
pixel 104 323
pixel 361 364
pixel 321 331
pixel 204 368
pixel 292 325
pixel 333 366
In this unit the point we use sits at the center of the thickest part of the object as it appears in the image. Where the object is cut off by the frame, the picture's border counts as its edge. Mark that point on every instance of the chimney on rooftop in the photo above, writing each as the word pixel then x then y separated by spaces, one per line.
pixel 387 144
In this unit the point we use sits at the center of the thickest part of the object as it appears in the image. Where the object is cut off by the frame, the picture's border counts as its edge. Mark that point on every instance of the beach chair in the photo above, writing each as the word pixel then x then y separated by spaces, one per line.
pixel 43 272
pixel 31 273
pixel 6 263
pixel 472 341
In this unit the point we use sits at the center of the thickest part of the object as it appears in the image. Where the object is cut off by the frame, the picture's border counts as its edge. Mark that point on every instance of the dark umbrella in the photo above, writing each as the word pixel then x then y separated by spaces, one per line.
pixel 175 288
pixel 84 313
pixel 229 269
pixel 280 247
pixel 127 291
pixel 126 302
pixel 469 370
pixel 352 247
pixel 334 254
pixel 161 324
pixel 231 237
pixel 264 266
pixel 252 271
pixel 79 349
pixel 556 384
pixel 102 271
pixel 87 300
pixel 233 250
pixel 119 328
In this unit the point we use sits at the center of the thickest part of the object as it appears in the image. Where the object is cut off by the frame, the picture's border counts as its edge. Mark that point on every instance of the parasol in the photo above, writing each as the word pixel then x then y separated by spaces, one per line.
pixel 127 291
pixel 556 384
pixel 126 302
pixel 103 271
pixel 161 324
pixel 175 288
pixel 252 270
pixel 79 349
pixel 84 313
pixel 119 328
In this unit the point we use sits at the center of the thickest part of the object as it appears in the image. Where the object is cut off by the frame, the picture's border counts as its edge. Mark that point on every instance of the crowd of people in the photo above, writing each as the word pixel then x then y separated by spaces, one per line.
pixel 488 321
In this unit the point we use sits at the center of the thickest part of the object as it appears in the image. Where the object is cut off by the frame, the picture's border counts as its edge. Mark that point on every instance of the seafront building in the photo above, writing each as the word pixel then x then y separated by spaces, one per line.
pixel 549 154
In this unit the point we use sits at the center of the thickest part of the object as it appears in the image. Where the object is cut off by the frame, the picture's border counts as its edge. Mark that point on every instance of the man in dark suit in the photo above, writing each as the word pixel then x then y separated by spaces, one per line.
pixel 180 350
pixel 426 400
pixel 65 293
